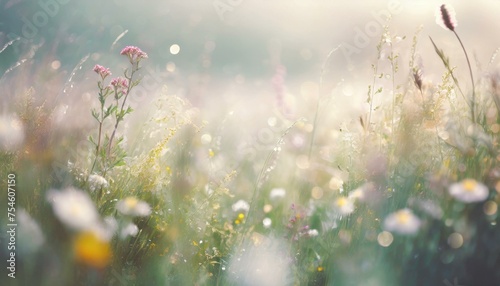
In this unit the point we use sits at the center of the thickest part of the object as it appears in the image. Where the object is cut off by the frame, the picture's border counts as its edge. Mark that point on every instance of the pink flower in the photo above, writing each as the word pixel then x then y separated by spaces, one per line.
pixel 120 83
pixel 102 71
pixel 134 54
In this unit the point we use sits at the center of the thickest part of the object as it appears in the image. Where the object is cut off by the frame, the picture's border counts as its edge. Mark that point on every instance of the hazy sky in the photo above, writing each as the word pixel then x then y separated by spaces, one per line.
pixel 246 39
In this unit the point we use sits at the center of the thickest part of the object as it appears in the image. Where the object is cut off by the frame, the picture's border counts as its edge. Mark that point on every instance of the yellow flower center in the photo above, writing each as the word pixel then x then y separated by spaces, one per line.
pixel 91 250
pixel 403 217
pixel 469 185
pixel 341 202
pixel 131 202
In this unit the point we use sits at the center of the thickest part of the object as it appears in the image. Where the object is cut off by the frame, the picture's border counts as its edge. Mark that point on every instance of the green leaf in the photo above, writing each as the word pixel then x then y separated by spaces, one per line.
pixel 95 114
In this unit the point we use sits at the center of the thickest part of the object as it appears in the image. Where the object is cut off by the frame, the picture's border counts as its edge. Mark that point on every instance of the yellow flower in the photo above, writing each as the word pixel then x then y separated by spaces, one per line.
pixel 91 250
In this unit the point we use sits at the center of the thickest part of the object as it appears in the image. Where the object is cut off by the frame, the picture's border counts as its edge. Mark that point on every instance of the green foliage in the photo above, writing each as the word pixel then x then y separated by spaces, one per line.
pixel 373 206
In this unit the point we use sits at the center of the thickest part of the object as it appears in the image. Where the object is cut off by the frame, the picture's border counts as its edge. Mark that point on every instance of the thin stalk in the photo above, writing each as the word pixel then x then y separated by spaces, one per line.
pixel 372 95
pixel 260 177
pixel 102 99
pixel 118 119
pixel 393 69
pixel 473 102
pixel 323 69
pixel 97 148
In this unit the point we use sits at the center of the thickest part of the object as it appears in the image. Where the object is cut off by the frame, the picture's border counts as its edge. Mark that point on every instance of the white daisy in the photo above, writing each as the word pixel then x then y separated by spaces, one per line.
pixel 312 232
pixel 105 230
pixel 130 229
pixel 240 206
pixel 74 208
pixel 469 191
pixel 267 222
pixel 403 222
pixel 336 184
pixel 344 205
pixel 97 182
pixel 133 207
pixel 277 193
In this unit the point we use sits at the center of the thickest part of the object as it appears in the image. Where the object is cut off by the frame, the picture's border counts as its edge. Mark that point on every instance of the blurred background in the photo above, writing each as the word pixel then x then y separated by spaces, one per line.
pixel 239 74
pixel 219 50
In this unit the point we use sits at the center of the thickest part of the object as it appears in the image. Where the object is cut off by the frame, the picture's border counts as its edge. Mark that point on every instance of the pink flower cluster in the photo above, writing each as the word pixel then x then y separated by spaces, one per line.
pixel 102 71
pixel 120 83
pixel 134 54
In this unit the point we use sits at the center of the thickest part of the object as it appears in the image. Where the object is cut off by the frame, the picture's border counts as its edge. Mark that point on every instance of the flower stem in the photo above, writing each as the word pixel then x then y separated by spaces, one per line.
pixel 120 118
pixel 473 101
pixel 97 148
pixel 313 133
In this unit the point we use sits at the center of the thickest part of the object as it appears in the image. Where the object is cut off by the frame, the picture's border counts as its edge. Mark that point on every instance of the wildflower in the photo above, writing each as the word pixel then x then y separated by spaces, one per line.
pixel 134 54
pixel 469 191
pixel 119 84
pixel 11 132
pixel 267 222
pixel 446 17
pixel 107 229
pixel 102 71
pixel 74 208
pixel 91 250
pixel 336 184
pixel 449 21
pixel 367 193
pixel 240 218
pixel 402 222
pixel 344 205
pixel 97 182
pixel 240 205
pixel 312 232
pixel 130 229
pixel 357 194
pixel 277 193
pixel 133 207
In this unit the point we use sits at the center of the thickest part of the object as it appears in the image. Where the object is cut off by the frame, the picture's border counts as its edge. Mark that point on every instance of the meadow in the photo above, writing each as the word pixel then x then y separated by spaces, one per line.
pixel 114 173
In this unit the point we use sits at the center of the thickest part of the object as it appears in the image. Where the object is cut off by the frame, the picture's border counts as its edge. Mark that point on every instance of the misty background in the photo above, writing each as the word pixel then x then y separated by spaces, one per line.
pixel 225 55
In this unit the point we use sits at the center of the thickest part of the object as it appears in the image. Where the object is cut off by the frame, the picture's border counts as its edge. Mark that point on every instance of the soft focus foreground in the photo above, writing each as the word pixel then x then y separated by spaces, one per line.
pixel 216 150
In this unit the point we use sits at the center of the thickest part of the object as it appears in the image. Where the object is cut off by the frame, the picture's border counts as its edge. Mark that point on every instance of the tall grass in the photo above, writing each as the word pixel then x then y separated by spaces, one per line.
pixel 408 195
